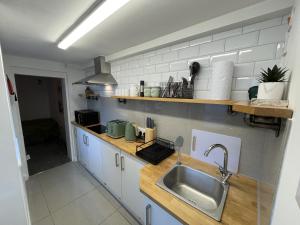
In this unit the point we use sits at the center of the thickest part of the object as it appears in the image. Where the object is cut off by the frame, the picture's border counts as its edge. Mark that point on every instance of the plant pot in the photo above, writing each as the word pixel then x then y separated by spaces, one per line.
pixel 270 90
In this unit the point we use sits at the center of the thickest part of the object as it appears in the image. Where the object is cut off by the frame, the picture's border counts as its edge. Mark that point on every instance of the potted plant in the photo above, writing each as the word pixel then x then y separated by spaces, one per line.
pixel 272 83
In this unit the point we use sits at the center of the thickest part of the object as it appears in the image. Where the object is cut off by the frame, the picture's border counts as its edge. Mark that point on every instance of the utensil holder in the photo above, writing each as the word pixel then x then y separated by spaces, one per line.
pixel 177 90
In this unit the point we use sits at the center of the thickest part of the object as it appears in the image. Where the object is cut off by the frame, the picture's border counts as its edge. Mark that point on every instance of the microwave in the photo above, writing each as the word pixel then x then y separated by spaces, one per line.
pixel 86 117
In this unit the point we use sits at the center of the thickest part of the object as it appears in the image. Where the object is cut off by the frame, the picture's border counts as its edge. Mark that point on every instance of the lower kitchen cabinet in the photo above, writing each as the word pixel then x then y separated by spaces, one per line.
pixel 112 169
pixel 118 171
pixel 131 195
pixel 155 215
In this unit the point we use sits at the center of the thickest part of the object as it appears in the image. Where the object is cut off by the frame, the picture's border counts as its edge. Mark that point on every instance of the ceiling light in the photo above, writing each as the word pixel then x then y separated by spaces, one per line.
pixel 101 13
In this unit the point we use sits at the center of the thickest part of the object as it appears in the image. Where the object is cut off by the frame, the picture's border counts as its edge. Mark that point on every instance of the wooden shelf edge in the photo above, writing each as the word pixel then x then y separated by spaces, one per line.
pixel 179 100
pixel 237 106
pixel 245 107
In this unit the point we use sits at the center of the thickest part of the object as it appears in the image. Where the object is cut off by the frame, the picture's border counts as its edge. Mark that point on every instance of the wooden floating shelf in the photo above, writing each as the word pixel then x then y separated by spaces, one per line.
pixel 268 111
pixel 179 100
pixel 237 106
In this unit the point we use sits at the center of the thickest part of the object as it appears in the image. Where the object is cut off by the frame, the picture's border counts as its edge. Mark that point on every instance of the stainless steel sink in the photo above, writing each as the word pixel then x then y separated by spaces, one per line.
pixel 198 189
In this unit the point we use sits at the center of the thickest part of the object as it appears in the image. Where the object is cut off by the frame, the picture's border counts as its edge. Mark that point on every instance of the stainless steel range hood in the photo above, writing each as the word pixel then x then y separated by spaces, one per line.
pixel 102 74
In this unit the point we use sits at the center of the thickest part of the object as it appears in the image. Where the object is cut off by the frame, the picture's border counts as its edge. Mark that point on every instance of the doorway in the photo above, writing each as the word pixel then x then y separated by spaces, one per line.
pixel 41 106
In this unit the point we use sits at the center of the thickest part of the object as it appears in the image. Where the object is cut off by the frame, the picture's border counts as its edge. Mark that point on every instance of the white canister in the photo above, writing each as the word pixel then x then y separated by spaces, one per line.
pixel 134 90
pixel 270 90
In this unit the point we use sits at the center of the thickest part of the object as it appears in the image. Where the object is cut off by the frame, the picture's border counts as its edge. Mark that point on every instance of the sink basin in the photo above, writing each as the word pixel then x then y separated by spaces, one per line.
pixel 198 189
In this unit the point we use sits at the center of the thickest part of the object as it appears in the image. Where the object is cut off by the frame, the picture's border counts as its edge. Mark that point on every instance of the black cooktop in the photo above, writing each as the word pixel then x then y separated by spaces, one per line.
pixel 99 129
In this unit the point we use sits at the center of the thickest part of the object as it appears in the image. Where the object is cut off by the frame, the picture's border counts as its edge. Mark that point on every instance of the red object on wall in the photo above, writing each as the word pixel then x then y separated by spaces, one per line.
pixel 11 88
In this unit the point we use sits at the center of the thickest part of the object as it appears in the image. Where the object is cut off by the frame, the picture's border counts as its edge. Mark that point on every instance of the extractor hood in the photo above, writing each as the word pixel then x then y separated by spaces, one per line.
pixel 102 74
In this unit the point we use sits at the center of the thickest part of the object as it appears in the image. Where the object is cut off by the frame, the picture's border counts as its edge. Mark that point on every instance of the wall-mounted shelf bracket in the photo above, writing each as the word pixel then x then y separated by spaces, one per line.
pixel 272 123
pixel 230 111
pixel 122 100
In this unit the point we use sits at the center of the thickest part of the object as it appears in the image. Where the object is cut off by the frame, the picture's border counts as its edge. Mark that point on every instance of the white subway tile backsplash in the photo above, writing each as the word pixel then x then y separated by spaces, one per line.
pixel 203 61
pixel 212 47
pixel 243 70
pixel 259 66
pixel 242 41
pixel 155 59
pixel 149 69
pixel 239 95
pixel 227 34
pixel 165 76
pixel 238 45
pixel 188 52
pixel 170 56
pixel 163 50
pixel 259 53
pixel 177 66
pixel 230 56
pixel 200 41
pixel 273 34
pixel 262 25
pixel 243 83
pixel 180 46
pixel 162 67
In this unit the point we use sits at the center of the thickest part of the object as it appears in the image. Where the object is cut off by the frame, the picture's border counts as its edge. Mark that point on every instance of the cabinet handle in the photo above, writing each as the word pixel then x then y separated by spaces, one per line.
pixel 122 163
pixel 87 140
pixel 194 144
pixel 117 159
pixel 83 138
pixel 148 214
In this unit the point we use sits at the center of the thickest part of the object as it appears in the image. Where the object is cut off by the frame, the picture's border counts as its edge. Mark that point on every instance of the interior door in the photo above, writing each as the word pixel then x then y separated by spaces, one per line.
pixel 112 169
pixel 131 194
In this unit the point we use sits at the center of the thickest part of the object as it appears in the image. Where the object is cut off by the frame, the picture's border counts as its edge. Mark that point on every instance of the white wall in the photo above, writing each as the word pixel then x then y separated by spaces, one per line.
pixel 286 210
pixel 70 73
pixel 13 203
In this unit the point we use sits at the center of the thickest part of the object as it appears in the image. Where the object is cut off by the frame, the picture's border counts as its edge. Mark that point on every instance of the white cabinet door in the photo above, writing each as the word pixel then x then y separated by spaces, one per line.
pixel 131 195
pixel 111 169
pixel 81 146
pixel 155 215
pixel 95 157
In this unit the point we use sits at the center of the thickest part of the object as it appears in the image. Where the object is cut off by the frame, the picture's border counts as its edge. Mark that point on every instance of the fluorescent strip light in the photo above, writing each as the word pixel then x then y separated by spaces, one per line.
pixel 105 10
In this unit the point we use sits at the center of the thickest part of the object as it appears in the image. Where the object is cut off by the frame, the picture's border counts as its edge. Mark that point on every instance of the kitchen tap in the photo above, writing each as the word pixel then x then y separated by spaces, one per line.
pixel 223 170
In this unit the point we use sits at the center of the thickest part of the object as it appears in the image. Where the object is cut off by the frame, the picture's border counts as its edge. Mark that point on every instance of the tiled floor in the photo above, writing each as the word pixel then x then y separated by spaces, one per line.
pixel 68 195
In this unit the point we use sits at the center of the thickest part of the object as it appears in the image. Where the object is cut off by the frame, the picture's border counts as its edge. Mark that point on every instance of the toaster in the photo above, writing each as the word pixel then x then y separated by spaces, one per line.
pixel 116 128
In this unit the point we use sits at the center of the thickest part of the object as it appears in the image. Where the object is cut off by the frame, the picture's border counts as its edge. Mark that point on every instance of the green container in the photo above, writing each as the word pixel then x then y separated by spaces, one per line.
pixel 116 128
pixel 130 134
pixel 155 92
pixel 147 92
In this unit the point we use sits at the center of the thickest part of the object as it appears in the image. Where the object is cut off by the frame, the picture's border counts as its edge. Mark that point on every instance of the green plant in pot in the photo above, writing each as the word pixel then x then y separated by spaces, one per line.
pixel 272 83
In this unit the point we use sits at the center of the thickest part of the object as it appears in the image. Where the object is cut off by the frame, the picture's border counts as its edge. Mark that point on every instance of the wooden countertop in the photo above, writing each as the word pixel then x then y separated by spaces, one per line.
pixel 241 203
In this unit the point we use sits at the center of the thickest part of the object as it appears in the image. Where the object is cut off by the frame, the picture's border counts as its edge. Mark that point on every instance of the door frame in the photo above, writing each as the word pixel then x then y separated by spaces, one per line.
pixel 15 70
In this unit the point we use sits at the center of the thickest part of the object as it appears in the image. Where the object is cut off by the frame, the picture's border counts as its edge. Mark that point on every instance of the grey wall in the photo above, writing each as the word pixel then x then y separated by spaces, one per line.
pixel 174 119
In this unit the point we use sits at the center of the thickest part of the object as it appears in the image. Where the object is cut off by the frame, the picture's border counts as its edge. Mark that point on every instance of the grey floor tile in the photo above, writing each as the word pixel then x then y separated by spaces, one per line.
pixel 128 216
pixel 116 204
pixel 45 221
pixel 116 219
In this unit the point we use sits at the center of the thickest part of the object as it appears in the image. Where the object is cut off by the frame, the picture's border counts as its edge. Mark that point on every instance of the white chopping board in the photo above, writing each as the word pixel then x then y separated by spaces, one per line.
pixel 201 140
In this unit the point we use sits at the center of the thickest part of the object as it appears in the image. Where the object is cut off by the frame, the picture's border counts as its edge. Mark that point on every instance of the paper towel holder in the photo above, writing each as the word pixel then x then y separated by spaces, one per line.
pixel 272 123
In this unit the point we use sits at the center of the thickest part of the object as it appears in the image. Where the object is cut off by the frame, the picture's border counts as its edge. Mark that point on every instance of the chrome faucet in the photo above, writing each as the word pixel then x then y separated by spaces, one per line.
pixel 223 169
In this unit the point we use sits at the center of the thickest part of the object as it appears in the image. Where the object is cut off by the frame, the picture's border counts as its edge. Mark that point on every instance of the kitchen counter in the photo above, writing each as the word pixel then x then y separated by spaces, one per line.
pixel 241 204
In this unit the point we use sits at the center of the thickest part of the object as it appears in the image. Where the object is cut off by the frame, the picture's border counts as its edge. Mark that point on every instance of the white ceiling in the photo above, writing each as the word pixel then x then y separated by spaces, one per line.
pixel 32 27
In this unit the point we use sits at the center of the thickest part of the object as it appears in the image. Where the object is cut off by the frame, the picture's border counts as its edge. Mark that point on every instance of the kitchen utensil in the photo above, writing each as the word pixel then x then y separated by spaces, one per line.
pixel 194 71
pixel 168 87
pixel 130 132
pixel 142 84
